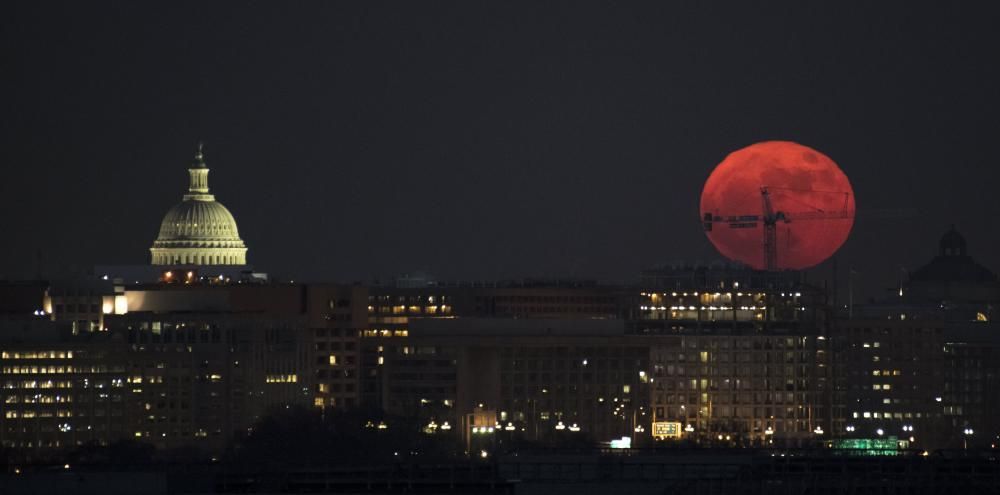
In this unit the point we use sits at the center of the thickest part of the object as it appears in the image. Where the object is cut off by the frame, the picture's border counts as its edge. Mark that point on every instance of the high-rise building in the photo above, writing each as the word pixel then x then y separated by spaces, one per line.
pixel 737 356
pixel 60 389
pixel 921 365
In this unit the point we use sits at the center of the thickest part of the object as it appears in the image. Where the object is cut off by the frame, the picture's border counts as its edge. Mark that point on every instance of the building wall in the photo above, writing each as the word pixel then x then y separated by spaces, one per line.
pixel 337 317
pixel 534 375
pixel 198 379
pixel 391 309
pixel 60 390
pixel 929 379
pixel 755 389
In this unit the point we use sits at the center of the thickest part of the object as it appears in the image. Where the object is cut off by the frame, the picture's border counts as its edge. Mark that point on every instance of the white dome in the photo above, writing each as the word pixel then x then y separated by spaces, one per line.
pixel 198 230
pixel 193 220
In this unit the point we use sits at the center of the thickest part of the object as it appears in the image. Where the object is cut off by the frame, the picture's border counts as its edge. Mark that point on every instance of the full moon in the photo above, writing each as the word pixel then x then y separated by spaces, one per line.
pixel 810 200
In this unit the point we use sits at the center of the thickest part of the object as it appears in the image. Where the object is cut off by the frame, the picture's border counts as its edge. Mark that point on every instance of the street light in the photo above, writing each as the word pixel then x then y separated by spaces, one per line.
pixel 818 430
pixel 560 426
pixel 849 428
pixel 968 433
pixel 574 427
pixel 689 428
pixel 880 432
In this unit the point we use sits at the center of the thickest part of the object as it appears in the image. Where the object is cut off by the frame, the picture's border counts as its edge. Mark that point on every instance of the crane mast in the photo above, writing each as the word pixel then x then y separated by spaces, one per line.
pixel 770 231
pixel 770 218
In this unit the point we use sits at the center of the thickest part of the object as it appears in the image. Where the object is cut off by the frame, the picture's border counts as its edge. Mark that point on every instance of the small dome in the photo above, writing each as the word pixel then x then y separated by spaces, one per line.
pixel 952 243
pixel 953 264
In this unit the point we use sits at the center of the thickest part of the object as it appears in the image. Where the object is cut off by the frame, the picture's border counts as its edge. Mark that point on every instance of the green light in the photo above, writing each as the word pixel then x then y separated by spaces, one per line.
pixel 888 446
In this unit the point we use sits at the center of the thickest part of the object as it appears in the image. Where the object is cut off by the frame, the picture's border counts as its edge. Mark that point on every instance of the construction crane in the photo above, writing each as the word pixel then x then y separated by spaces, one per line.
pixel 770 218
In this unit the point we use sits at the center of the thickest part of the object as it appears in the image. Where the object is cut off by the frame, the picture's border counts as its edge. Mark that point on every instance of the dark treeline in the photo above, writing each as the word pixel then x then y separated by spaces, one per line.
pixel 295 436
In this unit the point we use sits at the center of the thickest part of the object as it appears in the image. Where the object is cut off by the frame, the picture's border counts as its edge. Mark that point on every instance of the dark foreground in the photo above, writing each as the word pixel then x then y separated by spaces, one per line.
pixel 550 473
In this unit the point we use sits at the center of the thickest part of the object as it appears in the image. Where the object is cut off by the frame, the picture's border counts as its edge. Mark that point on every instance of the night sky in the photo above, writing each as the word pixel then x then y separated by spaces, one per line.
pixel 475 140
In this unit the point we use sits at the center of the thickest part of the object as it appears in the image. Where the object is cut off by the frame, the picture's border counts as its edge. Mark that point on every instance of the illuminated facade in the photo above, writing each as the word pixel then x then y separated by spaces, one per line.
pixel 198 230
pixel 738 357
pixel 83 303
pixel 744 390
pixel 182 365
pixel 61 390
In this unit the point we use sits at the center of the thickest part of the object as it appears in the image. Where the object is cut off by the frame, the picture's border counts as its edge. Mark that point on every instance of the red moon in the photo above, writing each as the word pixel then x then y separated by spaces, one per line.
pixel 810 195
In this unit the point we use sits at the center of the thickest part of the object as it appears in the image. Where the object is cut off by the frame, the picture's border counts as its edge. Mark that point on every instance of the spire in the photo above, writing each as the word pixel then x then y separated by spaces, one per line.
pixel 199 156
pixel 198 188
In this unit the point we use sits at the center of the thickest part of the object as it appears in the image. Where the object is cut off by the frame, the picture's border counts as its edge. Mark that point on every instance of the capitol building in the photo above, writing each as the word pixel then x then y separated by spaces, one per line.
pixel 199 230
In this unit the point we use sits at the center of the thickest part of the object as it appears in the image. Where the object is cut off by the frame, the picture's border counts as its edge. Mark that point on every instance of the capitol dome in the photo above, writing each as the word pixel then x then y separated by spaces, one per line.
pixel 198 230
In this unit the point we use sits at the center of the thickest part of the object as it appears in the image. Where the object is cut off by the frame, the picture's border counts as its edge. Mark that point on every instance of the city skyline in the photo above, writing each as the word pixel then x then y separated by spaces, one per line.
pixel 487 142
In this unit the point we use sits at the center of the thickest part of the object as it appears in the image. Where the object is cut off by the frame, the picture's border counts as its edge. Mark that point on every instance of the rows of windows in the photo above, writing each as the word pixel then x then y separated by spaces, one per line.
pixel 889 415
pixel 38 384
pixel 52 369
pixel 38 399
pixel 432 309
pixel 37 355
pixel 385 332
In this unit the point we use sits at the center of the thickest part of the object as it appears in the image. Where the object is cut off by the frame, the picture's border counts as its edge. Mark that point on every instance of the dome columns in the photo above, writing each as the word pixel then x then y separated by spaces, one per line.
pixel 199 181
pixel 195 256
